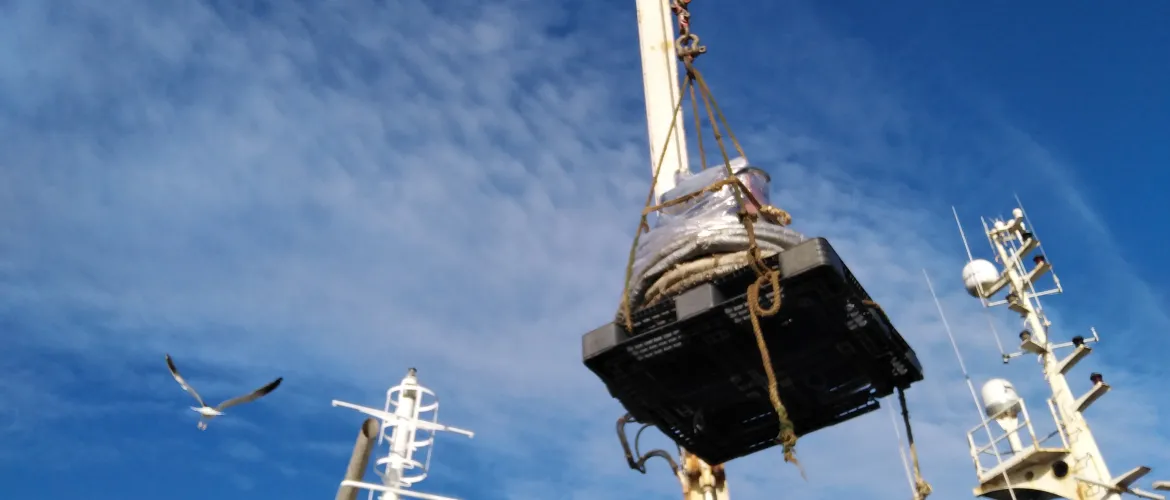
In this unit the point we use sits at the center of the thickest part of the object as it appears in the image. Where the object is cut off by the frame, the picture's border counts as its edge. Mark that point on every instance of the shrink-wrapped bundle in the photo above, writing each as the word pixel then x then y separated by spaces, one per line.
pixel 703 237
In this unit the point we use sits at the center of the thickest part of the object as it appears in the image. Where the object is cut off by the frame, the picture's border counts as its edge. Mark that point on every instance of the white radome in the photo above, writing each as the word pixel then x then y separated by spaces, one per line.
pixel 998 395
pixel 979 274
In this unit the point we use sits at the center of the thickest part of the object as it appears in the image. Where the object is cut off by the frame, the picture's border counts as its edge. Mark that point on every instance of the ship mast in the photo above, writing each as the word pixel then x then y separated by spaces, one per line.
pixel 1067 464
pixel 408 424
pixel 668 146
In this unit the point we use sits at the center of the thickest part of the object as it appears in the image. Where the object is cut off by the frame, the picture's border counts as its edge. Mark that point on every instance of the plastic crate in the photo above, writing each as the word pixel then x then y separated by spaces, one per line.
pixel 692 367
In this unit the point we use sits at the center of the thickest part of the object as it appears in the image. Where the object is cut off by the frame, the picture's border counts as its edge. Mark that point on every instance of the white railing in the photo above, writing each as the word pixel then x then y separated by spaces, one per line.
pixel 992 446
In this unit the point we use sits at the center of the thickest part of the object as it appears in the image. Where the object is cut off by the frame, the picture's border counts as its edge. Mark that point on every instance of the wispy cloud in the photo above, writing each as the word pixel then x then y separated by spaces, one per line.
pixel 243 451
pixel 337 192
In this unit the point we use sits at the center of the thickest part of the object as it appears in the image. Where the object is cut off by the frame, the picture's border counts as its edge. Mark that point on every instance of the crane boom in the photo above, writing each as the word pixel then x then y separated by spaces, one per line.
pixel 660 81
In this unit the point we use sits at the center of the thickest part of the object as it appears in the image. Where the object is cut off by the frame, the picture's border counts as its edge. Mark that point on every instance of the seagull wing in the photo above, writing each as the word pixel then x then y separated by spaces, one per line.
pixel 183 383
pixel 257 394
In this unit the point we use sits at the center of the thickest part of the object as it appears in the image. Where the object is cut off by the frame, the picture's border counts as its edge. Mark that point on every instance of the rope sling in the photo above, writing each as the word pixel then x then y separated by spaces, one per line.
pixel 687 48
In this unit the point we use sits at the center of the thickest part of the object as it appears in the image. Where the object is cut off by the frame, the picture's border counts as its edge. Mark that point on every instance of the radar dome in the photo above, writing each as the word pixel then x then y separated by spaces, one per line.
pixel 999 395
pixel 978 275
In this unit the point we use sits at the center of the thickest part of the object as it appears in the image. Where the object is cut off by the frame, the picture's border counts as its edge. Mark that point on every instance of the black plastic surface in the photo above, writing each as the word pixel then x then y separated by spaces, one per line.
pixel 692 368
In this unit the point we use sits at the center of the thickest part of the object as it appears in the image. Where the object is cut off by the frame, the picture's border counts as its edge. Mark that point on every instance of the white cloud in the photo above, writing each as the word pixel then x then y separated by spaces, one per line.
pixel 243 450
pixel 337 192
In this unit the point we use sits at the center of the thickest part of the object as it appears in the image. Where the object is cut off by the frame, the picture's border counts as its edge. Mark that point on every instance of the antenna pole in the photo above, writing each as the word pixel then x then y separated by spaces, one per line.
pixel 660 81
pixel 406 409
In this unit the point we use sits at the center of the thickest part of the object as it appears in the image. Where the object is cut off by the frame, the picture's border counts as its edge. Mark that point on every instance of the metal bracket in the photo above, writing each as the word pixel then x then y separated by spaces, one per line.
pixel 634 457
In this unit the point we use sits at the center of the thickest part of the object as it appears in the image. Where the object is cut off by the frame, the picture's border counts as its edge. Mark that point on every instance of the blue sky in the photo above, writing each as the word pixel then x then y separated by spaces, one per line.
pixel 336 191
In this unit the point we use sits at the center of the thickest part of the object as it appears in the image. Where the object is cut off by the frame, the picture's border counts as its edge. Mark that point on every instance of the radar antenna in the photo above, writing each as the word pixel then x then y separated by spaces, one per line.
pixel 1066 463
pixel 404 430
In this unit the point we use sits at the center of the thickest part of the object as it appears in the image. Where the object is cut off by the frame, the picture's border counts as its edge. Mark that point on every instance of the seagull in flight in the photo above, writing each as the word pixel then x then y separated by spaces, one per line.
pixel 207 413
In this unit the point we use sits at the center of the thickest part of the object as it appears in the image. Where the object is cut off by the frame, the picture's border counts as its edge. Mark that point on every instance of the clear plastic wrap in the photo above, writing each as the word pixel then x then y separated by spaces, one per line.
pixel 704 226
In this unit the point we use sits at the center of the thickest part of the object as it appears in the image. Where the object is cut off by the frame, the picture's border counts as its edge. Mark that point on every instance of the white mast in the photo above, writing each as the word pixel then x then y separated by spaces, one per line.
pixel 660 81
pixel 1068 463
pixel 402 422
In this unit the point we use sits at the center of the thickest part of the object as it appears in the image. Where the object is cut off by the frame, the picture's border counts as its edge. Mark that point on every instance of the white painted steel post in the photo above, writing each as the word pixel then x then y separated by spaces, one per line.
pixel 407 410
pixel 660 80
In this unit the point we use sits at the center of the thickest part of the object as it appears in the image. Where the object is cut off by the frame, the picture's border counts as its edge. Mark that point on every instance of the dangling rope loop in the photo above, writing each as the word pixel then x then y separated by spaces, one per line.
pixel 922 489
pixel 765 274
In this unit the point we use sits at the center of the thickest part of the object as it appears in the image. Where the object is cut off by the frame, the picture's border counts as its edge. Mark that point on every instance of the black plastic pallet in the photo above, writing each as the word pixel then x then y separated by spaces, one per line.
pixel 692 368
